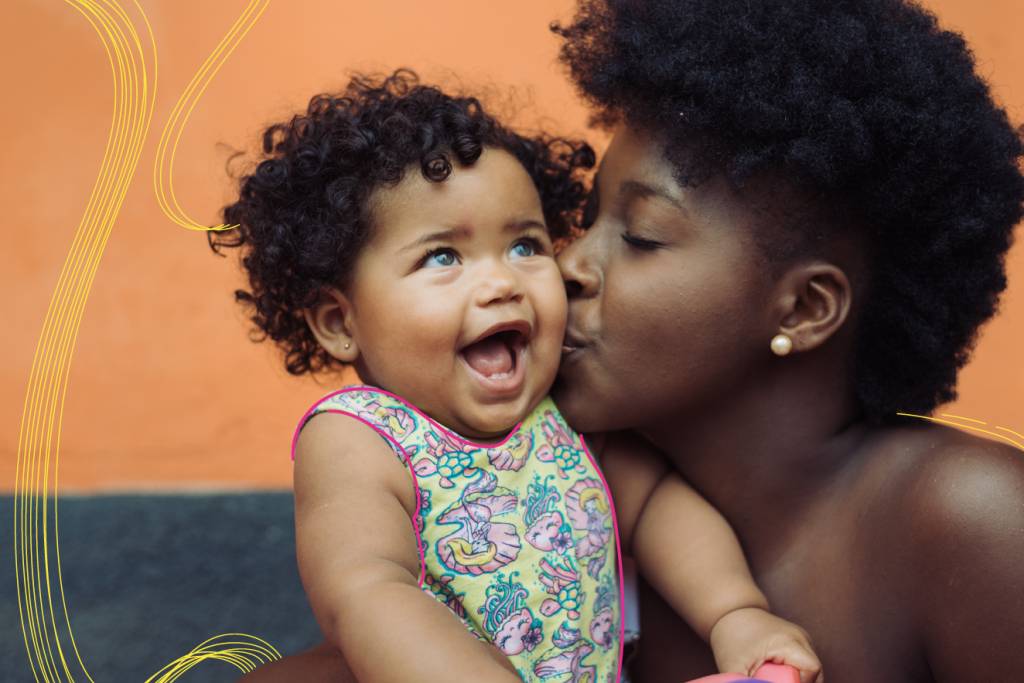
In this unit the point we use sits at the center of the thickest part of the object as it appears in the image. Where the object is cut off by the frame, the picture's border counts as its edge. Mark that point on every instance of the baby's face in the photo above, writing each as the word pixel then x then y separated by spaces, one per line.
pixel 456 302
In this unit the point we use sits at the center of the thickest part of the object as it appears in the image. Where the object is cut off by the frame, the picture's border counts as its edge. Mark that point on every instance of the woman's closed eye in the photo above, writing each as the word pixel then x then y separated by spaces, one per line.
pixel 641 243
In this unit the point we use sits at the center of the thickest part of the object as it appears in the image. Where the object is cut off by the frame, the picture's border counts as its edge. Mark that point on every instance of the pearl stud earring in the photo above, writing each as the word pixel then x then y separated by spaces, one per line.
pixel 347 345
pixel 781 344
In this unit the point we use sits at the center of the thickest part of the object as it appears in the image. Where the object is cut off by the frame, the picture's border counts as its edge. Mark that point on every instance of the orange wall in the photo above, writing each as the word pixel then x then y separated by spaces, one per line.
pixel 165 390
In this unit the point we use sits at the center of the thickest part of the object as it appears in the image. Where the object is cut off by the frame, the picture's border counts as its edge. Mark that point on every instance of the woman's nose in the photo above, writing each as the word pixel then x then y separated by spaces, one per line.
pixel 579 268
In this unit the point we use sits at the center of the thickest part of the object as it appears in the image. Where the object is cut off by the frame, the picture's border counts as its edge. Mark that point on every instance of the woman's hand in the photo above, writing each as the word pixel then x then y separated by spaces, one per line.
pixel 746 638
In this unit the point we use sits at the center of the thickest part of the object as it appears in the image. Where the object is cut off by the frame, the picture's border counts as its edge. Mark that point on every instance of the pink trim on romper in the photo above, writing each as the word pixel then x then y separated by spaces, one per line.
pixel 416 487
pixel 618 558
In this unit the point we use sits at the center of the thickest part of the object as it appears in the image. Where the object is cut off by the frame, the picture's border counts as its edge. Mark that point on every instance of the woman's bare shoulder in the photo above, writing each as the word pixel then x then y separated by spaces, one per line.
pixel 956 507
pixel 947 474
pixel 938 481
pixel 962 492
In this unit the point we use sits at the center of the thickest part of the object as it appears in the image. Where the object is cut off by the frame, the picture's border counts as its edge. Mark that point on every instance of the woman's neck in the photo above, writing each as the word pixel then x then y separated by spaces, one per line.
pixel 763 457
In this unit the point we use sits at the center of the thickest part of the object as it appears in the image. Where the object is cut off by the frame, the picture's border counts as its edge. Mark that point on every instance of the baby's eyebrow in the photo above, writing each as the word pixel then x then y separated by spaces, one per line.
pixel 524 224
pixel 440 236
pixel 453 234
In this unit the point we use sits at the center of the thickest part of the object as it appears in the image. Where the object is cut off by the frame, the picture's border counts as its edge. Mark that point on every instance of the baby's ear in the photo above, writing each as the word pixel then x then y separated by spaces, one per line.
pixel 330 320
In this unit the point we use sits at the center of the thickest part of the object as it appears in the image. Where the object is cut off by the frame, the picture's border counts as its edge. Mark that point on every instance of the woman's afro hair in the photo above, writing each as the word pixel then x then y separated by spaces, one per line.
pixel 869 107
pixel 303 212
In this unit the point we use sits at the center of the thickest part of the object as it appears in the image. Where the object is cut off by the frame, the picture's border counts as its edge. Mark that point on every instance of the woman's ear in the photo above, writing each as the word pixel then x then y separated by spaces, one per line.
pixel 332 322
pixel 813 303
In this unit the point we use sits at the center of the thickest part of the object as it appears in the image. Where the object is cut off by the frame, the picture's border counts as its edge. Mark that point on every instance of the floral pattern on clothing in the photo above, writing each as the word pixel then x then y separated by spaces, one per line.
pixel 590 513
pixel 562 446
pixel 567 664
pixel 518 537
pixel 510 624
pixel 481 543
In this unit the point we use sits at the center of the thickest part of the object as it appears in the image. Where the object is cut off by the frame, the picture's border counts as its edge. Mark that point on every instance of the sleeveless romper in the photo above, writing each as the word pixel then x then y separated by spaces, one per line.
pixel 518 539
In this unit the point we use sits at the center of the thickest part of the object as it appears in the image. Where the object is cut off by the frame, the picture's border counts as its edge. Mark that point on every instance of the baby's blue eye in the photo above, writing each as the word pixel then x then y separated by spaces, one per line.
pixel 524 248
pixel 440 258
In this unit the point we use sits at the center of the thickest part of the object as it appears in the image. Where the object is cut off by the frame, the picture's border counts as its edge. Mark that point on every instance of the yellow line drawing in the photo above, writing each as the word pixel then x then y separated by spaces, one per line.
pixel 996 435
pixel 163 169
pixel 246 654
pixel 968 419
pixel 1004 429
pixel 45 633
pixel 39 435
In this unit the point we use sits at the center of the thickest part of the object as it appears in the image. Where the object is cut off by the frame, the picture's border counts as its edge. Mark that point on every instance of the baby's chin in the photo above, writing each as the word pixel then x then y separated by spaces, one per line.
pixel 474 419
pixel 493 424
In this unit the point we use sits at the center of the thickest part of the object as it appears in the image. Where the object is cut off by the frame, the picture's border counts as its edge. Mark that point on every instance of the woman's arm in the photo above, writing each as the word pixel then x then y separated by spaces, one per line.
pixel 360 566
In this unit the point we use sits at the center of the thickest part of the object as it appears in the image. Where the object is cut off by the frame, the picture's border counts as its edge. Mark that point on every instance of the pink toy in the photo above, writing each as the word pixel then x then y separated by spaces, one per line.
pixel 768 673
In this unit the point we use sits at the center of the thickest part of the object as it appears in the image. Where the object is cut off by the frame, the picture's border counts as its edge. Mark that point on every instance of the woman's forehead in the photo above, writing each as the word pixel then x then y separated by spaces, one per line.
pixel 635 167
pixel 638 155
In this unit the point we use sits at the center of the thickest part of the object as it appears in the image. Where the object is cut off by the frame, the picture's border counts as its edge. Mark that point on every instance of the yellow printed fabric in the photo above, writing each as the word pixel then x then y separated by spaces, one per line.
pixel 517 539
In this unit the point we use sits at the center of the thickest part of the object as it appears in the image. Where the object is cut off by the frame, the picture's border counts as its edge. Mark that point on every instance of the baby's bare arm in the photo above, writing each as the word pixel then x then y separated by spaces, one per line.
pixel 633 469
pixel 683 546
pixel 690 555
pixel 360 567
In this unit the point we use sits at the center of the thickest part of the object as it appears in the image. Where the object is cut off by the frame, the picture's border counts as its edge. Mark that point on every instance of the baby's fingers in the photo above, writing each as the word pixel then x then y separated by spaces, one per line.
pixel 811 676
pixel 799 655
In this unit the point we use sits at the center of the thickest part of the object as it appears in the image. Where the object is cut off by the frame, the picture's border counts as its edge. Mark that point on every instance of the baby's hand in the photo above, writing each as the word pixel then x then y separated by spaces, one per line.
pixel 744 639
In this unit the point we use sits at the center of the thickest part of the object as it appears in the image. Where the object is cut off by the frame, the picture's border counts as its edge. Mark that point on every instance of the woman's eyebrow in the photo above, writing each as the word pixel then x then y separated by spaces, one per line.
pixel 634 188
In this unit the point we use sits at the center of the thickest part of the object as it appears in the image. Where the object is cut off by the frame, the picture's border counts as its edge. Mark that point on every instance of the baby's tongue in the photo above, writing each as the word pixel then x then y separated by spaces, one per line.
pixel 489 357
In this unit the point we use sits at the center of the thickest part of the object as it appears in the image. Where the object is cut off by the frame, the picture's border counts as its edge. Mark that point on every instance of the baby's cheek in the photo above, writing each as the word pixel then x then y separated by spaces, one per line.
pixel 551 305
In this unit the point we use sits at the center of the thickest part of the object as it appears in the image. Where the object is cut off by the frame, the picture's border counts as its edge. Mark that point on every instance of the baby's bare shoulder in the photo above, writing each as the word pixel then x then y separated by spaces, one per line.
pixel 337 454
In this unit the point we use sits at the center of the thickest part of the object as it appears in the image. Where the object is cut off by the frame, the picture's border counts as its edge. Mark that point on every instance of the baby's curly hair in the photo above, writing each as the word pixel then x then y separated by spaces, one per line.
pixel 304 215
pixel 866 105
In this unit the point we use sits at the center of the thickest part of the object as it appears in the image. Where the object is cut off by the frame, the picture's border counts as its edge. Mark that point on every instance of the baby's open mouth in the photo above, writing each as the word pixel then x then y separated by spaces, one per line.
pixel 496 355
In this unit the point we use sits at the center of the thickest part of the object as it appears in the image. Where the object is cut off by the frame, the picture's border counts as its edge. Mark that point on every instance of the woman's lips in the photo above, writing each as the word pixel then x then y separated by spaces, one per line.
pixel 573 342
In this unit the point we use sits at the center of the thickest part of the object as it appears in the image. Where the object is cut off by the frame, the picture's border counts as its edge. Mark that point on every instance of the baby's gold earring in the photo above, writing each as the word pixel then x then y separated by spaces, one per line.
pixel 781 344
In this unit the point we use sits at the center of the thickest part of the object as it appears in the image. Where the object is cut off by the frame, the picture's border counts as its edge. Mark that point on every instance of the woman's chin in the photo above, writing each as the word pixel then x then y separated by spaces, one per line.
pixel 577 411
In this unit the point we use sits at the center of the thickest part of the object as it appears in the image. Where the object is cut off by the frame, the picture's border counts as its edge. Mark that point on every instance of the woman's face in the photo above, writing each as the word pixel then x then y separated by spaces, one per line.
pixel 667 296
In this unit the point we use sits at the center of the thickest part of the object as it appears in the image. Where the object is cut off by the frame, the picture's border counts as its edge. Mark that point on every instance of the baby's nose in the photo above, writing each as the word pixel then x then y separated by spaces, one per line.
pixel 498 284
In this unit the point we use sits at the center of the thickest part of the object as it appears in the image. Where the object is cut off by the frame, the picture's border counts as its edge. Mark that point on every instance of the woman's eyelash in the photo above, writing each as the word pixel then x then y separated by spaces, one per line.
pixel 640 242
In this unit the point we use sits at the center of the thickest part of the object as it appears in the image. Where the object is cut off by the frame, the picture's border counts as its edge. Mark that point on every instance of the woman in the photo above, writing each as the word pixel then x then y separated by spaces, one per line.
pixel 798 228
